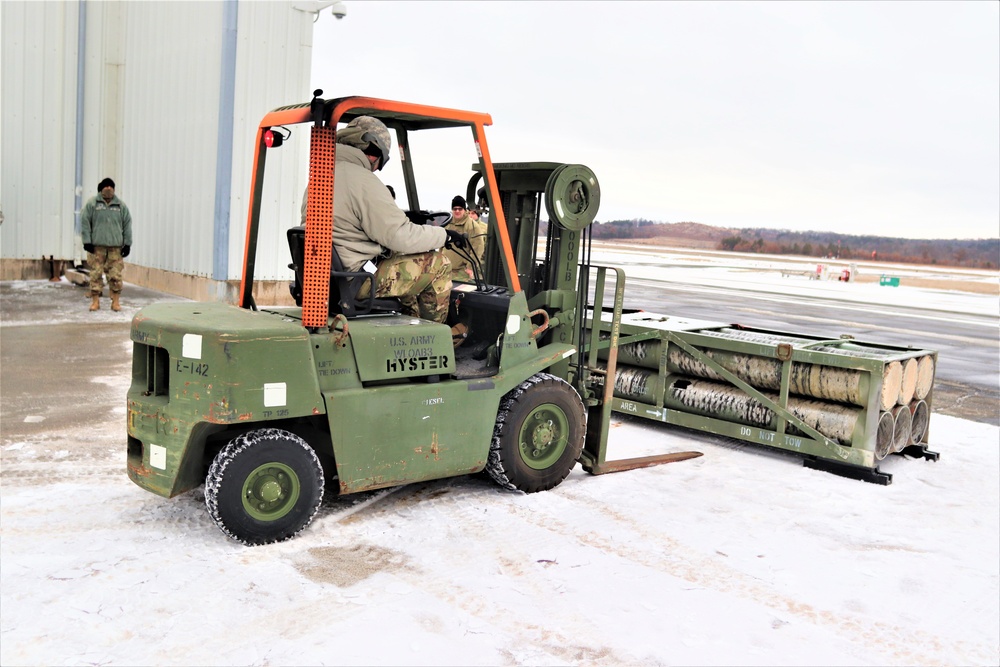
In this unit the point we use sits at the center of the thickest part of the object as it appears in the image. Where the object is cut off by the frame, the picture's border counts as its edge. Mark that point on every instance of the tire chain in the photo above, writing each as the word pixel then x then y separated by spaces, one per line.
pixel 213 480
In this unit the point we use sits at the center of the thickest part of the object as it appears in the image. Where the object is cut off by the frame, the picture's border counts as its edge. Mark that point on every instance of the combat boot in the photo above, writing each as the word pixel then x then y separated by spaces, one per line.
pixel 115 306
pixel 95 302
pixel 459 333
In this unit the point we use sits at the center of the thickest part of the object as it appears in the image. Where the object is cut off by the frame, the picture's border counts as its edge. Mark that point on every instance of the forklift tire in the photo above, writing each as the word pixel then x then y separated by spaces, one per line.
pixel 538 436
pixel 264 486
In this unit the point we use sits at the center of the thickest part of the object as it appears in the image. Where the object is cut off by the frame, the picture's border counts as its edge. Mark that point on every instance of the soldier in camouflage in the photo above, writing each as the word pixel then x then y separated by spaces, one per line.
pixel 107 237
pixel 463 223
pixel 366 220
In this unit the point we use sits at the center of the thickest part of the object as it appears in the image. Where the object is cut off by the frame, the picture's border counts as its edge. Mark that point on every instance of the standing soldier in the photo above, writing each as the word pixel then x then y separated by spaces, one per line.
pixel 463 223
pixel 107 236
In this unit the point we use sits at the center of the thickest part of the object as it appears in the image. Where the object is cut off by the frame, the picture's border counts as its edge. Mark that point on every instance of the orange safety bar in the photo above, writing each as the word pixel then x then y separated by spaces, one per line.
pixel 319 228
pixel 509 265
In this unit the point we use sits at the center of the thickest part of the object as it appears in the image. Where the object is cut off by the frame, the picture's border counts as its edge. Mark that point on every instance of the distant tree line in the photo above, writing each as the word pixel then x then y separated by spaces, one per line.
pixel 628 229
pixel 971 253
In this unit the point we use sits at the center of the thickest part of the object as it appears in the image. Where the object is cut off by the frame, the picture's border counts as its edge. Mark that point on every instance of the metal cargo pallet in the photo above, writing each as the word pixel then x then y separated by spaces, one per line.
pixel 840 403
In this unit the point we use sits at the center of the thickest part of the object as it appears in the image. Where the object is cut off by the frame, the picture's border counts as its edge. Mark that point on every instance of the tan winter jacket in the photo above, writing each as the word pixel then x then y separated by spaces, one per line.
pixel 461 269
pixel 366 219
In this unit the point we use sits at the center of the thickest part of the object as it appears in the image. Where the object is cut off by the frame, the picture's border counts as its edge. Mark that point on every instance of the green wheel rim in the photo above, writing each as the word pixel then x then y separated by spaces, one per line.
pixel 543 436
pixel 271 491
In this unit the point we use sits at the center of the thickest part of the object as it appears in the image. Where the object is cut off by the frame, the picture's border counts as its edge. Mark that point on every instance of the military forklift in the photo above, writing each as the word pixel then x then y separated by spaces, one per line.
pixel 269 407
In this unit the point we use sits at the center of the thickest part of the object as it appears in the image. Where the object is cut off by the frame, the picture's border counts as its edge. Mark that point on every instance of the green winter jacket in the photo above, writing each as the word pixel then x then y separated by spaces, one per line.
pixel 106 224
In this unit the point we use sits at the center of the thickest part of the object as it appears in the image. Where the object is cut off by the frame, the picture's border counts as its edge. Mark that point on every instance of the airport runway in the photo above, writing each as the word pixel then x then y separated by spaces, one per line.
pixel 968 375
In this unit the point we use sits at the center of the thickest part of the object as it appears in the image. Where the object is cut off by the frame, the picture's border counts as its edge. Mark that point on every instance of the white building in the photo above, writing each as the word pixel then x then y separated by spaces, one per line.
pixel 163 97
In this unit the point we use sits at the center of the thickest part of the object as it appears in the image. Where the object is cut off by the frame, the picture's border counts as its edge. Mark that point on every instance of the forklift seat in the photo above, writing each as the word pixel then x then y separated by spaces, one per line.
pixel 344 285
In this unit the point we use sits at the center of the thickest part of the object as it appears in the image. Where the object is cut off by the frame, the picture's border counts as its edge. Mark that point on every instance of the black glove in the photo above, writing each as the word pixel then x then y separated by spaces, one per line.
pixel 89 247
pixel 126 249
pixel 456 239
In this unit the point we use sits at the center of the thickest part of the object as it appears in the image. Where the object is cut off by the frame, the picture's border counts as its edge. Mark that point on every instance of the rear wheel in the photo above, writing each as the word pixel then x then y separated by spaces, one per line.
pixel 538 435
pixel 264 486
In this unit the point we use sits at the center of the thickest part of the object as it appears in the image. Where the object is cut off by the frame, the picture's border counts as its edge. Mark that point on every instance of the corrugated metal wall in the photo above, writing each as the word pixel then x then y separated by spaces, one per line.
pixel 37 96
pixel 170 132
pixel 152 95
pixel 273 77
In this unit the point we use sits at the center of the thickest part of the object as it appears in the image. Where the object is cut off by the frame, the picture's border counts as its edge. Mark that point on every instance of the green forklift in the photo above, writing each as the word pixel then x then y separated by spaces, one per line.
pixel 271 407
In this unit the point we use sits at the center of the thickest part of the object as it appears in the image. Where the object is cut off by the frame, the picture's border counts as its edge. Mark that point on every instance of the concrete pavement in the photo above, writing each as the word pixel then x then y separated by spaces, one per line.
pixel 64 369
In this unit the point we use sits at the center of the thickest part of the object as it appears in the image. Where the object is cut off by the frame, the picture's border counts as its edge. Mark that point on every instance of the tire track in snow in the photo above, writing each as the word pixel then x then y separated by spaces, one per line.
pixel 681 561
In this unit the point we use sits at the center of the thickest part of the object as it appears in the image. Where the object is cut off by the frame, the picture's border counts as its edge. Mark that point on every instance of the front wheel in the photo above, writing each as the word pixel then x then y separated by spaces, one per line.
pixel 538 435
pixel 264 486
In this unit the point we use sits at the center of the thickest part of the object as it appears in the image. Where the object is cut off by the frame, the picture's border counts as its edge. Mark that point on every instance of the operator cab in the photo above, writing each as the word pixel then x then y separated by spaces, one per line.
pixel 476 315
pixel 510 198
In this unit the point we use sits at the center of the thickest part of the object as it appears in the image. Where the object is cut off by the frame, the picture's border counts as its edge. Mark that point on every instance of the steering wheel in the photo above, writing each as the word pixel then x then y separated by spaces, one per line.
pixel 433 218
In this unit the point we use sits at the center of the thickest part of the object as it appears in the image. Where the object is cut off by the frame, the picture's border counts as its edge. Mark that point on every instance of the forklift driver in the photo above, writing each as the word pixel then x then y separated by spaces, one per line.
pixel 366 220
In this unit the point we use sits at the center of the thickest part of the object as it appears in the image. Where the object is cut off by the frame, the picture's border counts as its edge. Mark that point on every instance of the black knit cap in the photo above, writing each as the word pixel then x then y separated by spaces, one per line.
pixel 106 182
pixel 458 201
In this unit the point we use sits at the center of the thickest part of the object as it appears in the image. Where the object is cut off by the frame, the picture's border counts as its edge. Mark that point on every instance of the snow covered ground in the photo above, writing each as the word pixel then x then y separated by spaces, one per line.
pixel 739 557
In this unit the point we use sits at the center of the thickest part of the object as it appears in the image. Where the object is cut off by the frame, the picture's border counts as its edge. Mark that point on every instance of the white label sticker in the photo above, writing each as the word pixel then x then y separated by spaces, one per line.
pixel 274 394
pixel 513 324
pixel 158 456
pixel 192 346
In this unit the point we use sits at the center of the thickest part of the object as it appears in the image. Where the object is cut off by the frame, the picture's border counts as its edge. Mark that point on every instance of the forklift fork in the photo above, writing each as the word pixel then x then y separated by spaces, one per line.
pixel 595 449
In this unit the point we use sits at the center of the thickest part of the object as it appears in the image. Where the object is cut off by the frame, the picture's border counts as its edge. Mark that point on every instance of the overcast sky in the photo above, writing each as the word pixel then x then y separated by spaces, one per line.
pixel 861 118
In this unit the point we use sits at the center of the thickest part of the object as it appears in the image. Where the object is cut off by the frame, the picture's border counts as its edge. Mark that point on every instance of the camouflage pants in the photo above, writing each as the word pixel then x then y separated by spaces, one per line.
pixel 422 282
pixel 105 259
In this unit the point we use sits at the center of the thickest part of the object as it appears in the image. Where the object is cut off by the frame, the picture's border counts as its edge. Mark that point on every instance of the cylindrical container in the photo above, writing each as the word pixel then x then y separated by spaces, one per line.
pixel 723 401
pixel 834 420
pixel 902 422
pixel 920 417
pixel 636 384
pixel 892 380
pixel 909 384
pixel 883 437
pixel 925 377
pixel 813 380
pixel 826 382
pixel 645 353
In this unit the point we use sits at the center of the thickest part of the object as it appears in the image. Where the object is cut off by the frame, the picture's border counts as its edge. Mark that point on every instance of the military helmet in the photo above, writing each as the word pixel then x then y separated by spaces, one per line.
pixel 370 135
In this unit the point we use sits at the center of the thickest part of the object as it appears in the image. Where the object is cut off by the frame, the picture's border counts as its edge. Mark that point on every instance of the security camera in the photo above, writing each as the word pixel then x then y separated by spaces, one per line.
pixel 314 7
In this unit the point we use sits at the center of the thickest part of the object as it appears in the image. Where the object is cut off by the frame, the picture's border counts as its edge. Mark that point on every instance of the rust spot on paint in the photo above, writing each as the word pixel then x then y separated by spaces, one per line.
pixel 141 471
pixel 316 411
pixel 245 417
